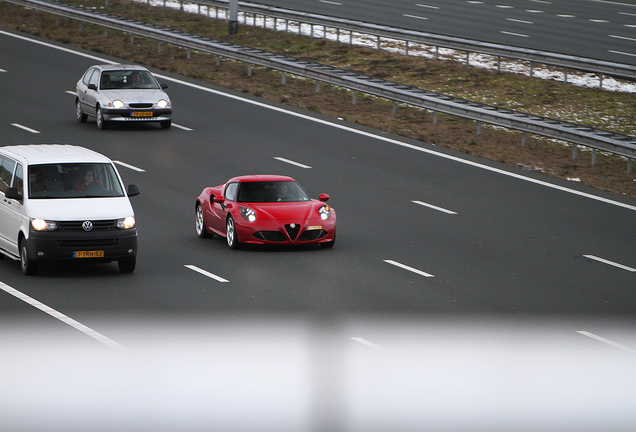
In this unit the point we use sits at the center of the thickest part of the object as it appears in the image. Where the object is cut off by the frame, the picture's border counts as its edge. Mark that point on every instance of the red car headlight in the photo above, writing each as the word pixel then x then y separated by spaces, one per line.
pixel 325 212
pixel 248 214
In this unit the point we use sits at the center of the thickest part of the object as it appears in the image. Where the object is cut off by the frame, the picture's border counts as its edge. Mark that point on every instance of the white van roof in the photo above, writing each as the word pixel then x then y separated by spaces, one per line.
pixel 34 154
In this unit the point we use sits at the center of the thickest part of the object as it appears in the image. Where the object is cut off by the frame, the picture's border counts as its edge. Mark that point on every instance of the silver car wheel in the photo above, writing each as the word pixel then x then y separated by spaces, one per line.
pixel 81 117
pixel 101 123
pixel 232 238
pixel 200 223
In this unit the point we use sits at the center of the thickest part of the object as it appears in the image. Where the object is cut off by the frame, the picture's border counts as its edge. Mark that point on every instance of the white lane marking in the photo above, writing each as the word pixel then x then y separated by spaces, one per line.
pixel 612 263
pixel 630 25
pixel 599 21
pixel 181 127
pixel 626 13
pixel 622 37
pixel 434 207
pixel 414 16
pixel 72 93
pixel 25 128
pixel 206 273
pixel 367 343
pixel 411 269
pixel 2 70
pixel 475 2
pixel 622 53
pixel 427 6
pixel 613 2
pixel 534 11
pixel 355 131
pixel 504 6
pixel 513 34
pixel 541 1
pixel 330 2
pixel 519 21
pixel 566 16
pixel 607 341
pixel 60 316
pixel 129 166
pixel 292 162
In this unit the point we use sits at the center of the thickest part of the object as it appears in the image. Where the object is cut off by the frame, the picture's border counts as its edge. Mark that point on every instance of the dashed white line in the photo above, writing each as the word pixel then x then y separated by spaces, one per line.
pixel 292 162
pixel 607 341
pixel 129 166
pixel 25 128
pixel 504 7
pixel 599 21
pixel 534 11
pixel 626 13
pixel 206 273
pixel 427 6
pixel 181 127
pixel 331 2
pixel 72 93
pixel 367 343
pixel 622 53
pixel 566 16
pixel 612 263
pixel 434 207
pixel 60 316
pixel 513 34
pixel 411 269
pixel 519 21
pixel 414 16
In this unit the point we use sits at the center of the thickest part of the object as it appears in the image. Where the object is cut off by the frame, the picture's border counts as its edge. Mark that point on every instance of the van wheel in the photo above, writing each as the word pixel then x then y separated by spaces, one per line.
pixel 127 265
pixel 28 266
pixel 101 123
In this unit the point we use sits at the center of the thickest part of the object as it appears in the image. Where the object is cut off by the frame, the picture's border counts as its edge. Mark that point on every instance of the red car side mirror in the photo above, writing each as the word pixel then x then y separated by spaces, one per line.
pixel 323 197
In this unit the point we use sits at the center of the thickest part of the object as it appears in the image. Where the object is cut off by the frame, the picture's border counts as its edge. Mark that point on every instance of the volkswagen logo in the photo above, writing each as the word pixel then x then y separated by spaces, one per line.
pixel 87 226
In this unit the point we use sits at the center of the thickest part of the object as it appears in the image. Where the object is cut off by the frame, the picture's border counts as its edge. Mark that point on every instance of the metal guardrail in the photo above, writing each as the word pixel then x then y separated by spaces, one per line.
pixel 449 42
pixel 597 139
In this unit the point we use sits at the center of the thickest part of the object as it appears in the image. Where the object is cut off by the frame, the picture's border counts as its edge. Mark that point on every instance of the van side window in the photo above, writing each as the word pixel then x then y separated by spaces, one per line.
pixel 18 179
pixel 6 172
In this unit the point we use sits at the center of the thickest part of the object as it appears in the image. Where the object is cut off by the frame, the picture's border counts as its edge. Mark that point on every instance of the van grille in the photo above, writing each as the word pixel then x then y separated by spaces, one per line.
pixel 77 225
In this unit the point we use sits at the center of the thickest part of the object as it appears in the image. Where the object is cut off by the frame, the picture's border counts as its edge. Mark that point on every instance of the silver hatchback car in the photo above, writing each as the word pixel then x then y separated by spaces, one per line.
pixel 122 93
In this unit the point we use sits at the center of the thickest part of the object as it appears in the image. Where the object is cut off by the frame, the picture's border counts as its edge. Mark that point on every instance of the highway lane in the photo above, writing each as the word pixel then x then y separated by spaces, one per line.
pixel 598 29
pixel 513 247
pixel 362 318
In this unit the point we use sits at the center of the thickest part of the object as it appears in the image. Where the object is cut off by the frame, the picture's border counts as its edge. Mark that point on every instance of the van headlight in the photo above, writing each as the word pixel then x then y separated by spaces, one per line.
pixel 43 225
pixel 126 223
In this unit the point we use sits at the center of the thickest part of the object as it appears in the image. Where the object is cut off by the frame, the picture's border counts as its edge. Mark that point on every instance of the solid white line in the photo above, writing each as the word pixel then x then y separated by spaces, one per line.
pixel 513 34
pixel 206 273
pixel 621 266
pixel 25 128
pixel 414 16
pixel 434 207
pixel 357 131
pixel 405 267
pixel 607 341
pixel 292 162
pixel 367 343
pixel 181 127
pixel 129 166
pixel 60 316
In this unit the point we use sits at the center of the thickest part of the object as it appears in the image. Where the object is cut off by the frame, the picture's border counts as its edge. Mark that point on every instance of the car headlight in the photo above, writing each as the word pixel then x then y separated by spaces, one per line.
pixel 118 104
pixel 126 223
pixel 43 225
pixel 248 214
pixel 325 212
pixel 162 103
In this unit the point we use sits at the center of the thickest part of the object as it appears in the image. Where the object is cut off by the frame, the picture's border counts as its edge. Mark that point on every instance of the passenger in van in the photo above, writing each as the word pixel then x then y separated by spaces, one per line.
pixel 36 181
pixel 87 181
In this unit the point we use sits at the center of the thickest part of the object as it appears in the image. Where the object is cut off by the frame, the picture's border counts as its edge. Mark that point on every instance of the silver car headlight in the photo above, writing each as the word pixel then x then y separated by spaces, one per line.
pixel 126 223
pixel 162 103
pixel 43 225
pixel 118 104
pixel 325 212
pixel 248 214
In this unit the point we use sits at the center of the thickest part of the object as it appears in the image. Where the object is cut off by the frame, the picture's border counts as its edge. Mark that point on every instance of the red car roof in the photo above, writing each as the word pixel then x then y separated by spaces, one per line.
pixel 261 177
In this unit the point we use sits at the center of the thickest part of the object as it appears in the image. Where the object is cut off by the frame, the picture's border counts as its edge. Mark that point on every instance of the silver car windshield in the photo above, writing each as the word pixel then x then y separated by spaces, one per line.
pixel 273 191
pixel 79 180
pixel 127 79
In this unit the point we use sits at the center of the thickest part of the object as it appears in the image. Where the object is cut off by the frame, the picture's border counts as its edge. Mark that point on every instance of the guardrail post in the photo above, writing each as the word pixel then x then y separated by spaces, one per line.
pixel 565 75
pixel 57 21
pixel 407 48
pixel 378 42
pixel 188 53
pixel 394 107
pixel 531 67
pixel 317 86
pixel 436 52
pixel 435 117
pixel 523 139
pixel 81 26
pixel 132 38
pixel 593 157
pixel 573 151
pixel 311 31
pixel 498 63
pixel 284 78
pixel 468 58
pixel 600 81
pixel 249 69
pixel 180 5
pixel 233 17
pixel 478 128
pixel 629 165
pixel 218 60
pixel 106 32
pixel 355 97
pixel 159 47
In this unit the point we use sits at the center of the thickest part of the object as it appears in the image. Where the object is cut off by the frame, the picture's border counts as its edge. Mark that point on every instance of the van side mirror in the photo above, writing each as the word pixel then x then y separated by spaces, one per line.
pixel 133 190
pixel 12 193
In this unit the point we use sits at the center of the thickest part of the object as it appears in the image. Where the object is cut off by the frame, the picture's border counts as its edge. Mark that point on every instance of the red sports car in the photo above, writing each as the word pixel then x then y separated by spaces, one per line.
pixel 265 209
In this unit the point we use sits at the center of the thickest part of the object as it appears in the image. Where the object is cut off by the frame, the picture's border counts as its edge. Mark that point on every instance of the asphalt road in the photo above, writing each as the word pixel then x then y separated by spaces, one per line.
pixel 423 234
pixel 598 29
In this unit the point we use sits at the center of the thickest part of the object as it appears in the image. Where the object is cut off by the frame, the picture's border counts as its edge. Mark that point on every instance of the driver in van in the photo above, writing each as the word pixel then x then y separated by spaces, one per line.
pixel 36 182
pixel 87 180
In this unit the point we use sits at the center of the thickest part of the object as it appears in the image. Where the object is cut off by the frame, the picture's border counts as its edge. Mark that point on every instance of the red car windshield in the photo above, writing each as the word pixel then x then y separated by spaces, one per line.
pixel 271 191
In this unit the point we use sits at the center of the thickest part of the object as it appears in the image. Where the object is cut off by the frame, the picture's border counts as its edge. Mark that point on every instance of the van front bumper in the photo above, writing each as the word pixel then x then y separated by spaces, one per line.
pixel 99 245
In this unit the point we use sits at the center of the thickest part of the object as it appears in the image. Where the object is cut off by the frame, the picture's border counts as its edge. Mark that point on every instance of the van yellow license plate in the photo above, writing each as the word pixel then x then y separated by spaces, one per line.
pixel 88 254
pixel 141 113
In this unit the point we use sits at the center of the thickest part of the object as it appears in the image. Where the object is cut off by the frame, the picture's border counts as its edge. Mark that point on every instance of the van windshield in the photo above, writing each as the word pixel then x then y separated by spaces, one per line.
pixel 73 180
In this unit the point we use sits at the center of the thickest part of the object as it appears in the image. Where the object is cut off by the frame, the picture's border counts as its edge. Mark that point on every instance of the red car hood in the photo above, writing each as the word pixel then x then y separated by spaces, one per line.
pixel 298 211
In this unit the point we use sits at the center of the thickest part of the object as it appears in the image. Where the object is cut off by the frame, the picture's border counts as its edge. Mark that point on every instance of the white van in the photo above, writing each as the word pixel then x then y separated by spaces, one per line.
pixel 64 202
